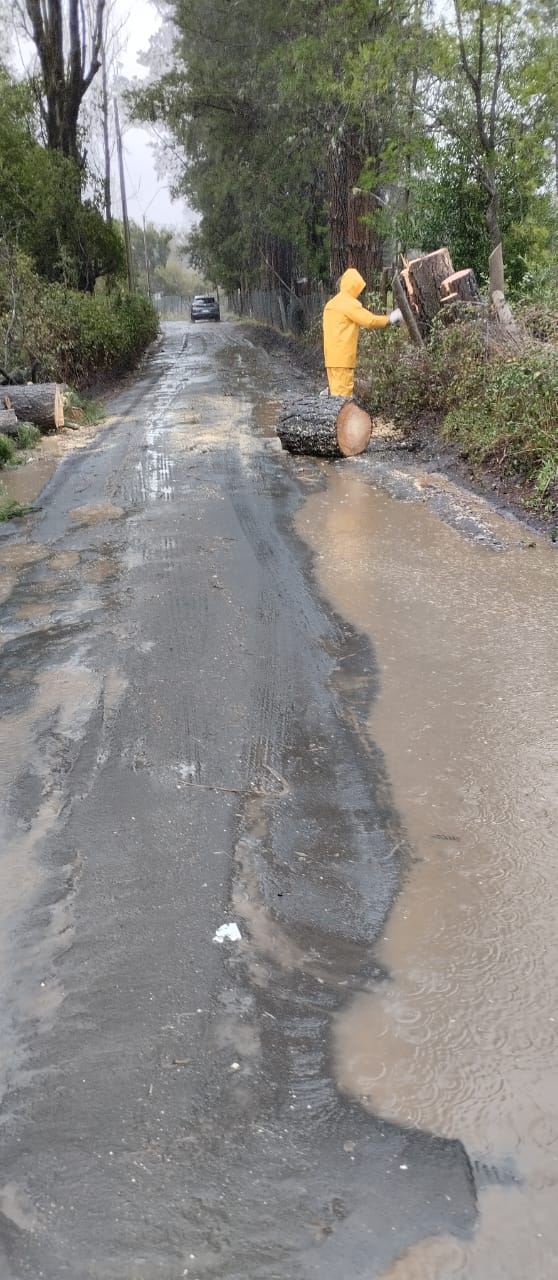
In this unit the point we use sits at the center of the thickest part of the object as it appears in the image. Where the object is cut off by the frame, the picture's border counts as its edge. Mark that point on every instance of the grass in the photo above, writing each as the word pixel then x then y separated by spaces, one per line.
pixel 28 436
pixel 81 410
pixel 9 508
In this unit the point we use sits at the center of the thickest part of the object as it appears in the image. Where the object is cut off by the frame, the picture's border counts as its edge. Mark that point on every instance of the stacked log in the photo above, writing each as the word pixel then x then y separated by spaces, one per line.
pixel 462 285
pixel 8 422
pixel 37 402
pixel 326 426
pixel 428 285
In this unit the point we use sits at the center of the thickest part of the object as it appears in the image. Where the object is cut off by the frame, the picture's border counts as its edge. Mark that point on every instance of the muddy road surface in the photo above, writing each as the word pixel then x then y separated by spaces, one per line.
pixel 244 689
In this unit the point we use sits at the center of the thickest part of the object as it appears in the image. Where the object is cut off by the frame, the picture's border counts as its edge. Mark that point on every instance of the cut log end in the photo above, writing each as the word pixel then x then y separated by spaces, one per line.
pixel 325 426
pixel 354 428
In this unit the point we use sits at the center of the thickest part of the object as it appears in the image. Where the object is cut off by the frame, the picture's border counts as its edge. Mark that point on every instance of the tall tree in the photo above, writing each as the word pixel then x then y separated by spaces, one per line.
pixel 484 108
pixel 69 41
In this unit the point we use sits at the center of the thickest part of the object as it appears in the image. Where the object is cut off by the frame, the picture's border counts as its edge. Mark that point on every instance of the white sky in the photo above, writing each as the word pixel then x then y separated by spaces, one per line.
pixel 147 192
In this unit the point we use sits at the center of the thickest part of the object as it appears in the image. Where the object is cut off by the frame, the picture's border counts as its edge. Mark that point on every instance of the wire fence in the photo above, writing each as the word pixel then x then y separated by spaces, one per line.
pixel 171 306
pixel 289 311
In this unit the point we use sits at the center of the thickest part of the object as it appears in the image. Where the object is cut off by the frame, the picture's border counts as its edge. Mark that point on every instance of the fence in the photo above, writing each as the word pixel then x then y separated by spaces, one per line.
pixel 171 305
pixel 288 311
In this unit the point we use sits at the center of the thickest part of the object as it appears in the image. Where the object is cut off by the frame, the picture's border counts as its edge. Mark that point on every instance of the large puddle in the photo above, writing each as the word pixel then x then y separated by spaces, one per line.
pixel 461 1039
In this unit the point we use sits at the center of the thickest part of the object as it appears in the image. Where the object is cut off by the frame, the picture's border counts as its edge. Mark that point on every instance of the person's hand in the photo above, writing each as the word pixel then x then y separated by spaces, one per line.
pixel 396 316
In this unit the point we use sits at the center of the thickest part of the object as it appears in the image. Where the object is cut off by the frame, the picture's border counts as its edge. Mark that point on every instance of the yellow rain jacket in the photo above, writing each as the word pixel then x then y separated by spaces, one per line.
pixel 343 316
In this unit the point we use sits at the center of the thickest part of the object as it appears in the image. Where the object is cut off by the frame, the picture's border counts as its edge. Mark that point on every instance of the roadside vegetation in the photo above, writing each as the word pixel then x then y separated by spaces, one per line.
pixel 66 312
pixel 316 137
pixel 500 408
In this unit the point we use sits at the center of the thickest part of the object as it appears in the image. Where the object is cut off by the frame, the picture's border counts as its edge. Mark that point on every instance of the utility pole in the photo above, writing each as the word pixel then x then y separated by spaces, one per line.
pixel 125 220
pixel 106 140
pixel 146 255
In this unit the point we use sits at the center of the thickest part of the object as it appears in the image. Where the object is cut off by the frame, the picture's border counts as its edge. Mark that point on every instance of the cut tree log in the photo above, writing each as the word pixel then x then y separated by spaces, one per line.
pixel 463 285
pixel 423 278
pixel 37 402
pixel 326 426
pixel 8 422
pixel 401 298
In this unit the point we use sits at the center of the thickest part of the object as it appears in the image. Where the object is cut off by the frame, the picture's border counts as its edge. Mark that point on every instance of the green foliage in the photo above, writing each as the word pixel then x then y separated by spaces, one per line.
pixel 78 335
pixel 7 451
pixel 10 508
pixel 28 436
pixel 507 413
pixel 41 206
pixel 503 411
pixel 79 408
pixel 393 119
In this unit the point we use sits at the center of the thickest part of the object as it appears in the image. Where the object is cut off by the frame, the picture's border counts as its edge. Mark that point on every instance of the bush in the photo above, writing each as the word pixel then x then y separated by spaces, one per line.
pixel 76 336
pixel 28 436
pixel 507 416
pixel 7 451
pixel 502 410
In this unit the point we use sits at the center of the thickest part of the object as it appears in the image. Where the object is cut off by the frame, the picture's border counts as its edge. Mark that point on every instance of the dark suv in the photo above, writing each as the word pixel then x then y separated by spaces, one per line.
pixel 204 307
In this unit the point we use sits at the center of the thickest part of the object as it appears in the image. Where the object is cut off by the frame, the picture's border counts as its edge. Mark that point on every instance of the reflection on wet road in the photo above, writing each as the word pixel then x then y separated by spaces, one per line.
pixel 351 756
pixel 461 1038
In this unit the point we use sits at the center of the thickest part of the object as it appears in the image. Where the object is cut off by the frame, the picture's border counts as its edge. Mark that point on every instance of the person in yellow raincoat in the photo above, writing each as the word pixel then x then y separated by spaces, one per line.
pixel 344 315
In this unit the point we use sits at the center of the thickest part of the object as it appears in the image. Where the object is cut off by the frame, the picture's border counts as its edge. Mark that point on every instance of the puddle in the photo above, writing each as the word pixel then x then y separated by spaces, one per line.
pixel 17 555
pixel 101 572
pixel 64 560
pixel 265 414
pixel 461 1039
pixel 24 484
pixel 95 513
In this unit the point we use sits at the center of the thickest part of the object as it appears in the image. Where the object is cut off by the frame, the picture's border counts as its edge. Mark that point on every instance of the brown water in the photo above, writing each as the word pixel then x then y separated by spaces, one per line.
pixel 462 1039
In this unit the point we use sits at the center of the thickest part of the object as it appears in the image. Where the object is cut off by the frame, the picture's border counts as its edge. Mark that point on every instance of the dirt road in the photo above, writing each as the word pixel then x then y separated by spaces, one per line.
pixel 239 688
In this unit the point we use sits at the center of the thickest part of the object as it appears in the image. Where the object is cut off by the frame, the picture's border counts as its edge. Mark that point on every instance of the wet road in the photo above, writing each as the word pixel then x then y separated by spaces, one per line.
pixel 219 704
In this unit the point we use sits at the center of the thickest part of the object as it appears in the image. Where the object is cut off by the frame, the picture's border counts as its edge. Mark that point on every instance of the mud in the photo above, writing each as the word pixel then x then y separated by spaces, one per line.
pixel 195 734
pixel 461 1037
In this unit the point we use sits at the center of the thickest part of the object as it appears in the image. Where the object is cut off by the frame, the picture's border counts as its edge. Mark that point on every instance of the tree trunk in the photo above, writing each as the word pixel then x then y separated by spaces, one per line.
pixel 423 278
pixel 401 298
pixel 40 403
pixel 8 422
pixel 463 285
pixel 327 426
pixel 337 178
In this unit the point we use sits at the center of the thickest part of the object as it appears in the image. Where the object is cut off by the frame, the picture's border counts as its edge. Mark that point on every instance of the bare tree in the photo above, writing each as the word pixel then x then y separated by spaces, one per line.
pixel 69 43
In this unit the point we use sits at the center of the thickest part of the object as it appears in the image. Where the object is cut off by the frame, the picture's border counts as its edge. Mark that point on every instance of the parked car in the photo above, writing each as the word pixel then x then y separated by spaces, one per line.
pixel 204 307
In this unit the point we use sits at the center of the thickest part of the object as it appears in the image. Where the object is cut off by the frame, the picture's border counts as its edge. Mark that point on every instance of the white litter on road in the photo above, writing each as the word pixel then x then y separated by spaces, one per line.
pixel 228 933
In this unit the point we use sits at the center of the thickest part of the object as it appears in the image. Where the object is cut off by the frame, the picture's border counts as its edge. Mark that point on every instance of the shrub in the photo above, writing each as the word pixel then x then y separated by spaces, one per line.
pixel 28 436
pixel 9 507
pixel 7 450
pixel 502 410
pixel 77 336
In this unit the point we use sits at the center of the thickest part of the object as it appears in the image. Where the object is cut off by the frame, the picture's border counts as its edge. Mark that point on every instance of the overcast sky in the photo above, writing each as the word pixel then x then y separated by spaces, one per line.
pixel 147 192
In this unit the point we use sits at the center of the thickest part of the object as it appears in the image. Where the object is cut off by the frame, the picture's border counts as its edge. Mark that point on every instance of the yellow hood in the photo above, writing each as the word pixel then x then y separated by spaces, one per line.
pixel 352 282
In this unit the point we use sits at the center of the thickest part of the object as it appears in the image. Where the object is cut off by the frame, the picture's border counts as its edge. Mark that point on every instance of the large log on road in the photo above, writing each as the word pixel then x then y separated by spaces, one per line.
pixel 327 426
pixel 40 403
pixel 8 422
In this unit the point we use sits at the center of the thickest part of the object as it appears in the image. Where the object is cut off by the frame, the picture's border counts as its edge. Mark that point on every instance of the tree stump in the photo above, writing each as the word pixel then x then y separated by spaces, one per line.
pixel 8 422
pixel 463 285
pixel 423 278
pixel 326 426
pixel 40 403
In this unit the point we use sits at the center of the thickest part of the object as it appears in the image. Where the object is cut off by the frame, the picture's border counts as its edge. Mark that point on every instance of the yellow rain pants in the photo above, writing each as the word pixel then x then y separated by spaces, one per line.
pixel 341 381
pixel 343 316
